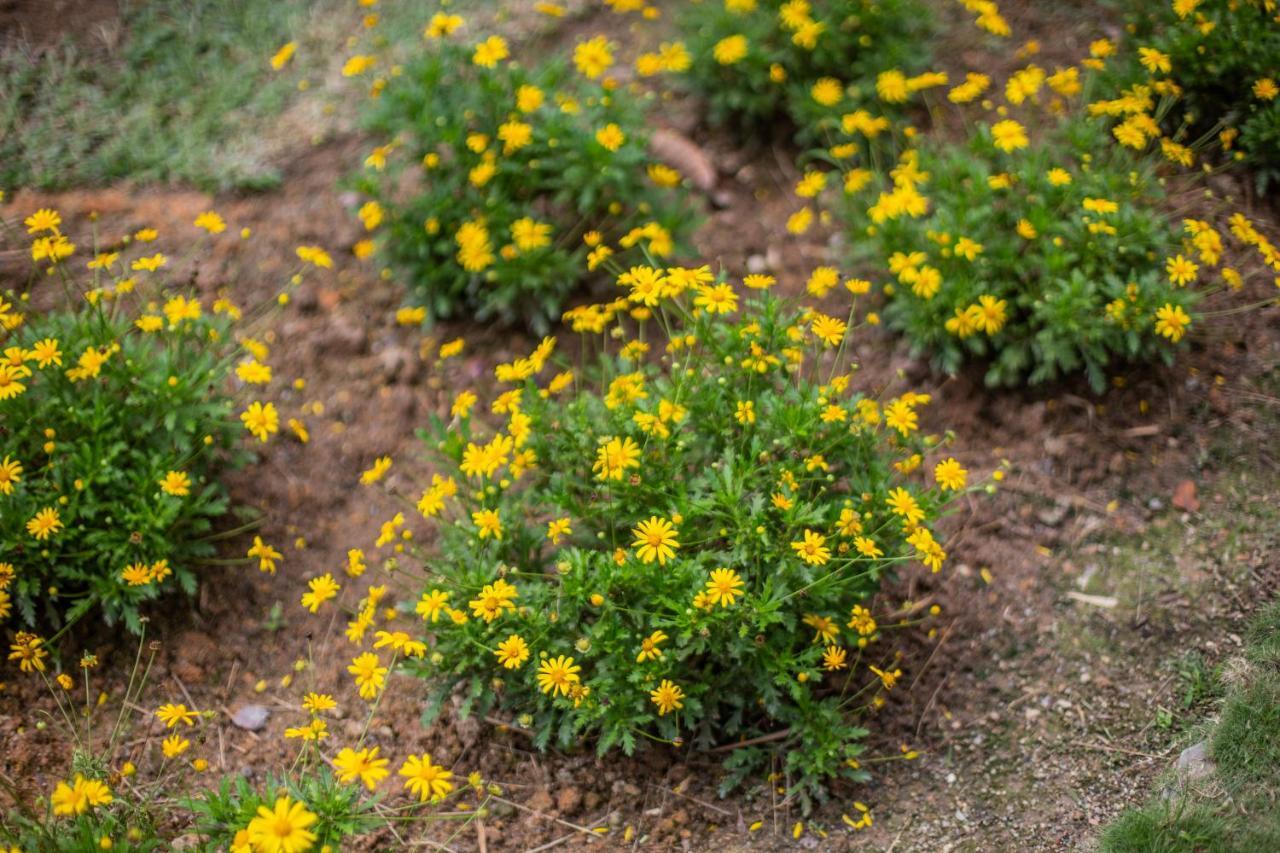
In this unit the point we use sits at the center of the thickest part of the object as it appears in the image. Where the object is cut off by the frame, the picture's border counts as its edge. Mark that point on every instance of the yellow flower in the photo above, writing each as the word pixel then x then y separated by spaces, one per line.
pixel 10 473
pixel 812 548
pixel 824 627
pixel 318 703
pixel 490 52
pixel 611 136
pixel 529 98
pixel 717 299
pixel 176 483
pixel 667 697
pixel 171 715
pixel 558 675
pixel 43 219
pixel 655 539
pixel 267 555
pixel 1172 321
pixel 320 590
pixel 315 256
pixel 729 50
pixel 369 676
pixel 442 24
pixel 282 56
pixel 494 599
pixel 593 57
pixel 357 65
pixel 1181 270
pixel 827 91
pixel 1154 61
pixel 151 263
pixel 363 765
pixel 723 588
pixel 903 504
pixel 891 86
pixel 44 524
pixel 174 745
pixel 1008 135
pixel 829 330
pixel 615 457
pixel 210 221
pixel 425 779
pixel 432 604
pixel 376 471
pixel 649 647
pixel 529 234
pixel 557 529
pixel 950 474
pixel 80 796
pixel 261 420
pixel 488 522
pixel 834 658
pixel 282 828
pixel 512 652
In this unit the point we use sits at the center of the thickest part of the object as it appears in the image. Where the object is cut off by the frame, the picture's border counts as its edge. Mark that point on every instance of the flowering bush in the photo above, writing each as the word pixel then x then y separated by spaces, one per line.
pixel 498 182
pixel 755 61
pixel 115 419
pixel 137 794
pixel 1213 63
pixel 686 545
pixel 1043 257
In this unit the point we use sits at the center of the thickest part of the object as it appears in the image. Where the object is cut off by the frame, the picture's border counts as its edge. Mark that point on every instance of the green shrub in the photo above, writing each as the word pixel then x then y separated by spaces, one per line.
pixel 683 543
pixel 1216 66
pixel 122 792
pixel 115 420
pixel 1042 257
pixel 755 62
pixel 498 181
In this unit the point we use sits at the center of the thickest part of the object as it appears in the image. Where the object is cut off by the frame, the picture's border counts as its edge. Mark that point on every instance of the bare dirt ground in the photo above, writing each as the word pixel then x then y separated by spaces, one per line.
pixel 1035 706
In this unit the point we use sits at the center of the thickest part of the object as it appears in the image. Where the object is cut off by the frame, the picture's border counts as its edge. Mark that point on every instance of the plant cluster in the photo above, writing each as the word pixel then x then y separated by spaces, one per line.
pixel 681 541
pixel 1042 252
pixel 1212 65
pixel 115 421
pixel 1043 257
pixel 124 792
pixel 755 61
pixel 499 184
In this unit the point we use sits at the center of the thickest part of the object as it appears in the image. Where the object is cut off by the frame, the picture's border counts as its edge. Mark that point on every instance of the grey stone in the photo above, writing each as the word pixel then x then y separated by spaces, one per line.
pixel 251 717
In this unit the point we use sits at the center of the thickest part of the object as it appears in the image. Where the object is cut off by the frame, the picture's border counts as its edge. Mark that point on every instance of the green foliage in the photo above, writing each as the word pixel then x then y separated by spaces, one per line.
pixel 1219 52
pixel 185 97
pixel 789 47
pixel 1178 827
pixel 215 818
pixel 495 175
pixel 743 441
pixel 95 445
pixel 1198 681
pixel 1246 743
pixel 1038 273
pixel 1245 748
pixel 1263 641
pixel 342 811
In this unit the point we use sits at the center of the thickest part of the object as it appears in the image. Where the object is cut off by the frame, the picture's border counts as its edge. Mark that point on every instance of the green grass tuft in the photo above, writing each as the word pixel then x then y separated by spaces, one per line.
pixel 180 98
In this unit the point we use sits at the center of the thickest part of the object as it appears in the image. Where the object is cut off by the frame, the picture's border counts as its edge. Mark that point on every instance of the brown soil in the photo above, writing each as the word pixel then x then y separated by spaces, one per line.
pixel 1032 709
pixel 44 23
